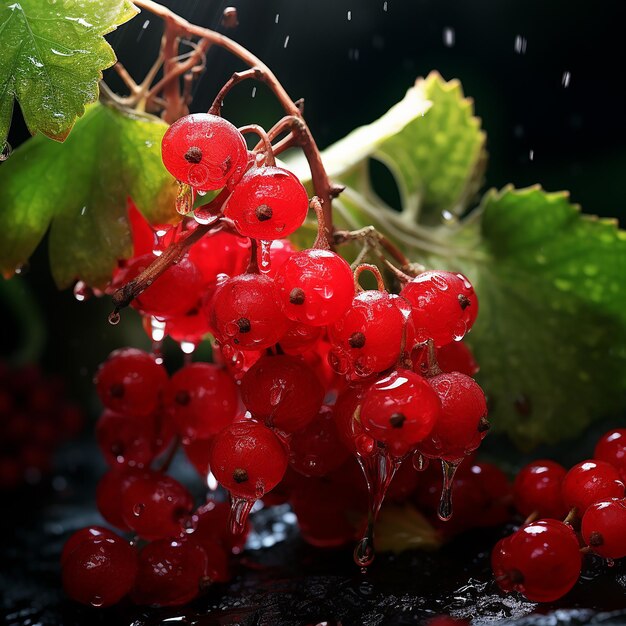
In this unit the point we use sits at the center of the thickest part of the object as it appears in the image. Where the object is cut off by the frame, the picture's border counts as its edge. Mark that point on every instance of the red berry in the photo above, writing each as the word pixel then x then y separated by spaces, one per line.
pixel 170 573
pixel 537 489
pixel 100 571
pixel 267 203
pixel 444 306
pixel 220 253
pixel 85 534
pixel 204 151
pixel 248 459
pixel 603 528
pixel 371 335
pixel 300 338
pixel 541 560
pixel 130 381
pixel 317 450
pixel 198 452
pixel 400 409
pixel 210 524
pixel 349 429
pixel 611 447
pixel 589 482
pixel 204 400
pixel 109 494
pixel 246 314
pixel 155 505
pixel 314 287
pixel 457 357
pixel 462 423
pixel 283 391
pixel 280 251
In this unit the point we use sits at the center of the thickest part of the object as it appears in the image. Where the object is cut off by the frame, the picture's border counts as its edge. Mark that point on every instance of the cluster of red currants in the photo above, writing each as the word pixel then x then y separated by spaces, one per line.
pixel 543 559
pixel 308 368
pixel 35 417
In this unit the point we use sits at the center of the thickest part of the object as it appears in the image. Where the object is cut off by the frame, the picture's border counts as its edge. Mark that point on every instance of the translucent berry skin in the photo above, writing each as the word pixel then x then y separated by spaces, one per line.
pixel 245 312
pixel 400 409
pixel 198 453
pixel 280 251
pixel 371 335
pixel 154 506
pixel 210 525
pixel 267 203
pixel 457 357
pixel 204 151
pixel 603 527
pixel 317 450
pixel 130 381
pixel 537 489
pixel 109 494
pixel 132 440
pixel 589 482
pixel 170 573
pixel 444 306
pixel 220 253
pixel 461 425
pixel 85 534
pixel 611 447
pixel 100 571
pixel 300 338
pixel 349 429
pixel 204 400
pixel 541 560
pixel 175 292
pixel 248 459
pixel 314 287
pixel 283 391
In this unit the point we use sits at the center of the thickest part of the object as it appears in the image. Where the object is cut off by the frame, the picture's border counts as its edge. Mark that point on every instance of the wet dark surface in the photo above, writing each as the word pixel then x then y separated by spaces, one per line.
pixel 286 583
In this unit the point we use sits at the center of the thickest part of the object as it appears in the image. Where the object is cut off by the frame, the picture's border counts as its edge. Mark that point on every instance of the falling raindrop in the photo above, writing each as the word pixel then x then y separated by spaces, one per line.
pixel 565 80
pixel 286 41
pixel 448 37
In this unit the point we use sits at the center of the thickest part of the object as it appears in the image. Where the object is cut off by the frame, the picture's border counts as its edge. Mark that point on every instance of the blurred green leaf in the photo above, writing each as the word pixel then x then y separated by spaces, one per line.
pixel 51 59
pixel 79 189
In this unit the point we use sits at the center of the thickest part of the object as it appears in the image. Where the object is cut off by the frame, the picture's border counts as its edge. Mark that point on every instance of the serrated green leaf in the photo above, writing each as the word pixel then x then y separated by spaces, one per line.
pixel 80 187
pixel 51 59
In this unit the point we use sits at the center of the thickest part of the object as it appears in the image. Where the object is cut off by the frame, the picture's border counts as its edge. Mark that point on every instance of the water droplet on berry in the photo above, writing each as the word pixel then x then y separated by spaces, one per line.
pixel 96 601
pixel 445 503
pixel 364 445
pixel 276 393
pixel 239 511
pixel 440 282
pixel 82 292
pixel 459 331
pixel 211 482
pixel 231 329
pixel 157 329
pixel 198 175
pixel 138 509
pixel 338 361
pixel 263 256
pixel 188 347
pixel 228 351
pixel 420 462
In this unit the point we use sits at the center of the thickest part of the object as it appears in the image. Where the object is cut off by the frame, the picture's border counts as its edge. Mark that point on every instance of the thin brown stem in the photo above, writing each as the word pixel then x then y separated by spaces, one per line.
pixel 265 141
pixel 376 240
pixel 127 79
pixel 235 79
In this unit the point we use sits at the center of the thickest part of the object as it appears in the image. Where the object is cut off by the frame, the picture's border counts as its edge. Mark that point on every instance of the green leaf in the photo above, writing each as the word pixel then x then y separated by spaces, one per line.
pixel 51 59
pixel 80 189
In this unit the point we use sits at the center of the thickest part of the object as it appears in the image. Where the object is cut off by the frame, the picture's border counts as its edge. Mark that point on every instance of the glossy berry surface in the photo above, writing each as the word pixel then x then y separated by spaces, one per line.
pixel 100 571
pixel 444 306
pixel 130 381
pixel 155 506
pixel 316 450
pixel 400 409
pixel 85 534
pixel 204 151
pixel 204 400
pixel 537 489
pixel 170 573
pixel 589 482
pixel 268 203
pixel 371 335
pixel 611 447
pixel 220 253
pixel 210 525
pixel 300 338
pixel 541 560
pixel 314 287
pixel 283 391
pixel 109 494
pixel 175 292
pixel 248 459
pixel 603 528
pixel 462 422
pixel 457 357
pixel 246 314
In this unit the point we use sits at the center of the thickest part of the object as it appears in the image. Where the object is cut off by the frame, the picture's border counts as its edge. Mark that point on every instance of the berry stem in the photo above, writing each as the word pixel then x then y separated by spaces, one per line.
pixel 368 267
pixel 235 79
pixel 265 141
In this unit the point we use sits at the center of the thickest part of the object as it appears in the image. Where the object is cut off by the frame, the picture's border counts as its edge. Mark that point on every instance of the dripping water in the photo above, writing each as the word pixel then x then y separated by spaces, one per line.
pixel 263 256
pixel 239 511
pixel 445 503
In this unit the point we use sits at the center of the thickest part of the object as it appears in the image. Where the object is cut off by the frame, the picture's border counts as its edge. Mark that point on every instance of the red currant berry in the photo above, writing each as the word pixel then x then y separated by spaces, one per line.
pixel 300 338
pixel 85 534
pixel 611 447
pixel 462 423
pixel 268 203
pixel 210 524
pixel 589 482
pixel 444 306
pixel 220 253
pixel 537 489
pixel 457 357
pixel 130 381
pixel 246 314
pixel 400 409
pixel 204 151
pixel 109 494
pixel 603 528
pixel 349 429
pixel 170 573
pixel 283 391
pixel 198 452
pixel 100 571
pixel 280 251
pixel 248 459
pixel 154 506
pixel 314 287
pixel 204 400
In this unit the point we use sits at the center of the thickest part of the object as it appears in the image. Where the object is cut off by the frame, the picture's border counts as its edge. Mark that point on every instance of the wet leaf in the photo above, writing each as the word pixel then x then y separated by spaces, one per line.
pixel 51 59
pixel 79 188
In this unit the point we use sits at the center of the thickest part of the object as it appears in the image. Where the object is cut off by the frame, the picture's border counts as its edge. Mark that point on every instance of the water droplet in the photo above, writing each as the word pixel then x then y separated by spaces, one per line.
pixel 82 292
pixel 364 552
pixel 420 462
pixel 211 482
pixel 157 329
pixel 188 347
pixel 239 510
pixel 114 318
pixel 440 282
pixel 138 509
pixel 448 37
pixel 263 256
pixel 6 151
pixel 96 601
pixel 445 503
pixel 459 330
pixel 364 445
pixel 276 393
